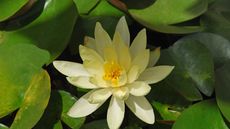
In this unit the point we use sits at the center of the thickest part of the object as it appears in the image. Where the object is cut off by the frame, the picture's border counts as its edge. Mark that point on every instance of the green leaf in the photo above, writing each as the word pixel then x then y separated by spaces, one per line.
pixel 58 125
pixel 35 101
pixel 68 101
pixel 9 7
pixel 165 111
pixel 84 6
pixel 52 28
pixel 18 65
pixel 167 102
pixel 105 9
pixel 3 126
pixel 217 45
pixel 59 104
pixel 166 13
pixel 222 89
pixel 196 59
pixel 217 20
pixel 98 124
pixel 203 115
pixel 194 67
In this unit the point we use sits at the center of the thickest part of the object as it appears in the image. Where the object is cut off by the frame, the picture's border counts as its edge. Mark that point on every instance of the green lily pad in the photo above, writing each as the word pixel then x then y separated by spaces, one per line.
pixel 194 68
pixel 3 126
pixel 9 7
pixel 217 20
pixel 18 65
pixel 166 13
pixel 35 101
pixel 203 115
pixel 59 104
pixel 222 89
pixel 84 6
pixel 52 28
pixel 165 111
pixel 220 54
pixel 105 9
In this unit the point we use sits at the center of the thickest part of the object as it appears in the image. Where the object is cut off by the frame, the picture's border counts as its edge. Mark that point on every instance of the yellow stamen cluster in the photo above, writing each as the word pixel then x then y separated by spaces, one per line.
pixel 112 73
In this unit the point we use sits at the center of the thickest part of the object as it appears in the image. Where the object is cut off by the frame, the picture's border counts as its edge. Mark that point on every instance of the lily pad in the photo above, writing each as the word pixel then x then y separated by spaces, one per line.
pixel 216 19
pixel 9 7
pixel 84 6
pixel 45 31
pixel 203 115
pixel 35 101
pixel 220 54
pixel 166 13
pixel 194 68
pixel 59 104
pixel 18 66
pixel 222 89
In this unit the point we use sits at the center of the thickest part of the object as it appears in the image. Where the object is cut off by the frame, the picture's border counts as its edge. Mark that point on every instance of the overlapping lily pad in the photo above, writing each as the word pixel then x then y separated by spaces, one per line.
pixel 203 115
pixel 34 103
pixel 194 68
pixel 222 89
pixel 52 28
pixel 9 7
pixel 18 66
pixel 166 13
pixel 56 112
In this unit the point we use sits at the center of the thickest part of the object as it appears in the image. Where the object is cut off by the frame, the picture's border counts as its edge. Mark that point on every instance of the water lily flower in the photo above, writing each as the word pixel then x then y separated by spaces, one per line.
pixel 116 69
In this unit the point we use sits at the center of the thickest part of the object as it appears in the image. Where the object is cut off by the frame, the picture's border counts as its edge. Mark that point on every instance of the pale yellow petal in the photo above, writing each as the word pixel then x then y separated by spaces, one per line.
pixel 115 114
pixel 154 57
pixel 123 30
pixel 70 69
pixel 92 61
pixel 100 95
pixel 138 88
pixel 133 73
pixel 141 108
pixel 139 43
pixel 90 42
pixel 99 81
pixel 81 82
pixel 121 92
pixel 110 54
pixel 155 74
pixel 89 54
pixel 141 60
pixel 82 107
pixel 122 51
pixel 102 39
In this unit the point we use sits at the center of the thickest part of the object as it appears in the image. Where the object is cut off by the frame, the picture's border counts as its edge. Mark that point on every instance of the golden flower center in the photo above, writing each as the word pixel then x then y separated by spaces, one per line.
pixel 112 73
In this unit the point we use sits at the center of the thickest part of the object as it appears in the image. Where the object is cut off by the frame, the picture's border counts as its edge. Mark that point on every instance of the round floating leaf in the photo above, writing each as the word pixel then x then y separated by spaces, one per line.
pixel 222 89
pixel 35 101
pixel 84 6
pixel 9 7
pixel 203 115
pixel 165 13
pixel 68 101
pixel 217 45
pixel 58 125
pixel 194 67
pixel 18 63
pixel 3 126
pixel 59 104
pixel 50 31
pixel 217 20
pixel 105 9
